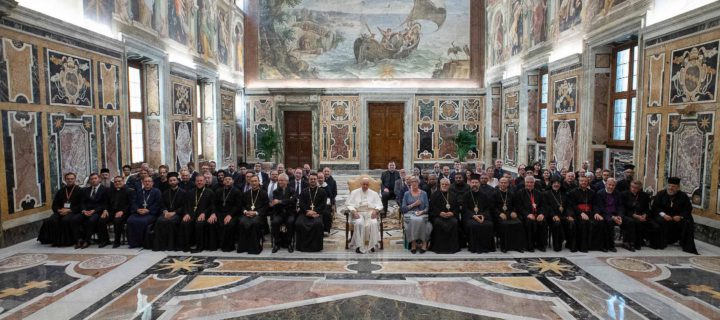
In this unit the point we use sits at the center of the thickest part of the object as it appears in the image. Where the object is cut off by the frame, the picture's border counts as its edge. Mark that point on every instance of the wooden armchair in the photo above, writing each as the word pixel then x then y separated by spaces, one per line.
pixel 353 184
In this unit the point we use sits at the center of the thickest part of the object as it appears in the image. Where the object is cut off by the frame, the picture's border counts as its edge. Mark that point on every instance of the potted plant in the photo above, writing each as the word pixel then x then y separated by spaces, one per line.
pixel 465 141
pixel 269 143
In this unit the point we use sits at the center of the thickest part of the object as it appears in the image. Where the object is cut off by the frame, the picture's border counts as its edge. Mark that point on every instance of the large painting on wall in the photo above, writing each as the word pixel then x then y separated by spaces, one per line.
pixel 566 94
pixel 364 39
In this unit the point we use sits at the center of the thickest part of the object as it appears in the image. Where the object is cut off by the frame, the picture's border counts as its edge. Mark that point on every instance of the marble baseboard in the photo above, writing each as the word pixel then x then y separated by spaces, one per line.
pixel 707 234
pixel 336 166
pixel 21 233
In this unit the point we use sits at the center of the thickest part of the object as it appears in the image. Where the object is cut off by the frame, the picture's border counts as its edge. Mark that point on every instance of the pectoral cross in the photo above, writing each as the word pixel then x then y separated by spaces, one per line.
pixel 312 206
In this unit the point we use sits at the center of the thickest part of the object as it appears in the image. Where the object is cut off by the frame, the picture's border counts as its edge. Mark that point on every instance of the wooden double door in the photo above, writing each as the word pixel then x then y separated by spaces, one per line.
pixel 386 125
pixel 298 138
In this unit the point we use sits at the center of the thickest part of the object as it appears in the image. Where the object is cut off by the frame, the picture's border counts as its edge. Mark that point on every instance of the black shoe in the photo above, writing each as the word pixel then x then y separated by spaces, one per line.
pixel 422 250
pixel 275 249
pixel 116 244
pixel 612 249
pixel 372 249
pixel 357 250
pixel 603 250
pixel 102 244
pixel 196 250
pixel 413 251
pixel 542 249
pixel 85 244
pixel 291 249
pixel 79 244
pixel 628 247
pixel 531 250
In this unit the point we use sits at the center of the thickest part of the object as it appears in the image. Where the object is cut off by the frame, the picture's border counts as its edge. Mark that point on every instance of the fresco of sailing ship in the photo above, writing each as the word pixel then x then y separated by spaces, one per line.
pixel 364 39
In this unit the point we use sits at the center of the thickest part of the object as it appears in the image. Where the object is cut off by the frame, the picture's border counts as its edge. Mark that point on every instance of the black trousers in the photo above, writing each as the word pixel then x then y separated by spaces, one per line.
pixel 386 196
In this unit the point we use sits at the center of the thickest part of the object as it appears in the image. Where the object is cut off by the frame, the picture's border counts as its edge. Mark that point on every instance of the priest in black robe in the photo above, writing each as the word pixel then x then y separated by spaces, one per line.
pixel 120 198
pixel 57 230
pixel 529 204
pixel 609 205
pixel 92 208
pixel 624 184
pixel 201 207
pixel 445 218
pixel 166 226
pixel 637 205
pixel 556 204
pixel 283 208
pixel 255 205
pixel 508 223
pixel 145 210
pixel 672 209
pixel 309 224
pixel 477 218
pixel 228 206
pixel 579 223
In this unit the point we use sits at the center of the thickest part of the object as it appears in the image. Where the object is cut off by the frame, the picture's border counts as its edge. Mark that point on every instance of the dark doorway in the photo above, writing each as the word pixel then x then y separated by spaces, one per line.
pixel 386 134
pixel 298 138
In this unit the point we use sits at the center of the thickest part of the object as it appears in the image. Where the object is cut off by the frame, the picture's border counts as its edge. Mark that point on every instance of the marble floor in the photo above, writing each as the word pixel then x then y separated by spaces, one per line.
pixel 39 282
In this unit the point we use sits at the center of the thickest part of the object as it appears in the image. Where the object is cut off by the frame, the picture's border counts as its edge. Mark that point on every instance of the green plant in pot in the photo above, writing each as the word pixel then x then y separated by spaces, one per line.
pixel 465 141
pixel 269 143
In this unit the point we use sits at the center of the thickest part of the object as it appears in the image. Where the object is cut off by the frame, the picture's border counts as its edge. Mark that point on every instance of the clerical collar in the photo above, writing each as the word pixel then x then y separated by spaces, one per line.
pixel 174 188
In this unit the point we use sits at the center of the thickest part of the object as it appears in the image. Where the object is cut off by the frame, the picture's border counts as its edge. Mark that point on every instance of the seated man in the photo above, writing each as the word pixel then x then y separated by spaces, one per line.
pixel 255 204
pixel 364 205
pixel 145 210
pixel 609 205
pixel 637 205
pixel 283 208
pixel 388 185
pixel 201 208
pixel 509 226
pixel 117 211
pixel 92 207
pixel 173 199
pixel 228 201
pixel 309 224
pixel 477 219
pixel 57 230
pixel 673 211
pixel 444 215
pixel 529 204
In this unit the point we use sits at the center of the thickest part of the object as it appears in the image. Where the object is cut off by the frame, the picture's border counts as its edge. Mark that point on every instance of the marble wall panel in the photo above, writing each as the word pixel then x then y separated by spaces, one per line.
pixel 496 118
pixel 533 121
pixel 339 120
pixel 618 160
pixel 600 108
pixel 209 141
pixel 110 144
pixel 565 95
pixel 438 119
pixel 109 83
pixel 510 144
pixel 656 76
pixel 73 147
pixel 208 103
pixel 69 79
pixel 227 143
pixel 426 109
pixel 227 105
pixel 511 109
pixel 449 110
pixel 183 143
pixel 425 137
pixel 154 142
pixel 564 143
pixel 152 89
pixel 693 73
pixel 542 154
pixel 19 77
pixel 24 161
pixel 472 110
pixel 447 149
pixel 689 141
pixel 653 133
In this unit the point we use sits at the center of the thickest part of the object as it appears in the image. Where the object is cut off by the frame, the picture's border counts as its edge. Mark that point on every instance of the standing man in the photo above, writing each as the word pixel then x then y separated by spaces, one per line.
pixel 145 210
pixel 263 177
pixel 388 179
pixel 364 204
pixel 624 184
pixel 228 201
pixel 498 170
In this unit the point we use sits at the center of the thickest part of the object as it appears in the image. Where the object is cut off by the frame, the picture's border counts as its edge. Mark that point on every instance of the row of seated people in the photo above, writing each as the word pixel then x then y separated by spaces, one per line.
pixel 195 219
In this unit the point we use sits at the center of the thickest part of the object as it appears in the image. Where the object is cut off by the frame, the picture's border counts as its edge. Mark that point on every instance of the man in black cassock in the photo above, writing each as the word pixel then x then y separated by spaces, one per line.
pixel 608 204
pixel 201 207
pixel 672 209
pixel 388 179
pixel 507 221
pixel 556 204
pixel 57 230
pixel 255 205
pixel 145 210
pixel 174 199
pixel 637 205
pixel 445 217
pixel 283 208
pixel 579 226
pixel 328 214
pixel 624 184
pixel 92 206
pixel 117 211
pixel 477 218
pixel 228 203
pixel 528 203
pixel 309 224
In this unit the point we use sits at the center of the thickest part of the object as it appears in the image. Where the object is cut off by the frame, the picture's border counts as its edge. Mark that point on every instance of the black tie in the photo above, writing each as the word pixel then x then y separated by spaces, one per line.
pixel 92 194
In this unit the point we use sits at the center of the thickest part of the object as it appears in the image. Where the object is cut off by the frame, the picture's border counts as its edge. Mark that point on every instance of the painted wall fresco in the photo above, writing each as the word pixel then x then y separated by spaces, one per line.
pixel 339 120
pixel 183 143
pixel 24 160
pixel 514 27
pixel 564 143
pixel 694 73
pixel 689 141
pixel 69 80
pixel 569 13
pixel 361 39
pixel 19 78
pixel 438 119
pixel 566 95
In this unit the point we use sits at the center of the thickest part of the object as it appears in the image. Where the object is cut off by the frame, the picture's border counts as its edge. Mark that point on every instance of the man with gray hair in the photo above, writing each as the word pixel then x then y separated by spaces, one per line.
pixel 364 205
pixel 529 205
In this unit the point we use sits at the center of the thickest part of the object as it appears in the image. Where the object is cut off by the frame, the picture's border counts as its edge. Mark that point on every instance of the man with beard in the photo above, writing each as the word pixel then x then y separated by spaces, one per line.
pixel 477 218
pixel 117 211
pixel 529 204
pixel 637 206
pixel 161 181
pixel 624 184
pixel 255 205
pixel 228 201
pixel 105 179
pixel 145 209
pixel 185 184
pixel 198 206
pixel 509 226
pixel 166 225
pixel 282 206
pixel 579 223
pixel 432 184
pixel 309 224
pixel 556 204
pixel 485 187
pixel 672 209
pixel 445 217
pixel 57 230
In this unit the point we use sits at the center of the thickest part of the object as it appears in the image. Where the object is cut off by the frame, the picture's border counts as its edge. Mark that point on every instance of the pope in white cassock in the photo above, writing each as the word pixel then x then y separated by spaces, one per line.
pixel 364 205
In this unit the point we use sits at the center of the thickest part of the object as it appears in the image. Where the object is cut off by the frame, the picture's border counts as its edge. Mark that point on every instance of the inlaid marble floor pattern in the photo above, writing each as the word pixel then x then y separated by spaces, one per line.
pixel 38 282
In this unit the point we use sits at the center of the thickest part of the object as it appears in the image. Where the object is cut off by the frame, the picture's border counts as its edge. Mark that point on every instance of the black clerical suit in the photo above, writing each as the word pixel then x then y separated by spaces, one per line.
pixel 677 205
pixel 609 205
pixel 388 179
pixel 228 203
pixel 637 205
pixel 578 232
pixel 57 230
pixel 166 229
pixel 510 230
pixel 118 200
pixel 205 233
pixel 556 205
pixel 250 228
pixel 84 226
pixel 445 229
pixel 196 202
pixel 531 202
pixel 309 230
pixel 480 235
pixel 283 214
